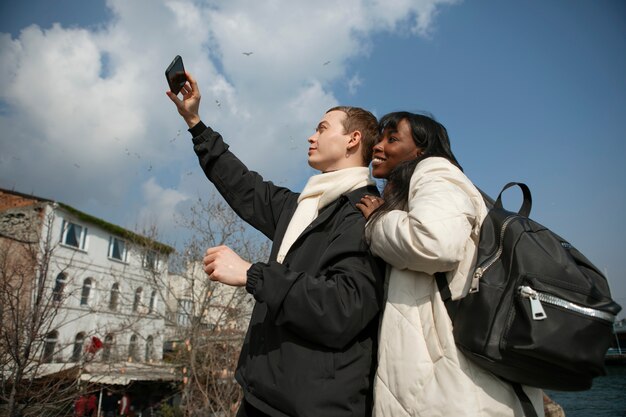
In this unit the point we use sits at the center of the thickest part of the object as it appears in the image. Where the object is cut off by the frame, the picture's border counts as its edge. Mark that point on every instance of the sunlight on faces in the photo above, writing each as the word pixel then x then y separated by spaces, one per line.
pixel 329 144
pixel 394 147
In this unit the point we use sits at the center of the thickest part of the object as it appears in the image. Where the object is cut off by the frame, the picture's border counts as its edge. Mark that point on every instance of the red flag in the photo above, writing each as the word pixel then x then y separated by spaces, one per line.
pixel 95 345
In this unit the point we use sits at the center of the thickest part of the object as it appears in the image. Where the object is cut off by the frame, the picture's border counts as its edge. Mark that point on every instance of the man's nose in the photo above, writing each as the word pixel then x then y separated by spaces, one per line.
pixel 312 138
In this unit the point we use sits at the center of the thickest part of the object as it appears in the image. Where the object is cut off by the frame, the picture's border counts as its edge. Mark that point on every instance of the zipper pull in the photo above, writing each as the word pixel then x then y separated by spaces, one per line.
pixel 478 273
pixel 535 305
pixel 476 276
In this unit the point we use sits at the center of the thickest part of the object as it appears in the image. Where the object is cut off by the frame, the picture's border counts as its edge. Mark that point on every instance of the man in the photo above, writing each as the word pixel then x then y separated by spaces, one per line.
pixel 109 404
pixel 311 343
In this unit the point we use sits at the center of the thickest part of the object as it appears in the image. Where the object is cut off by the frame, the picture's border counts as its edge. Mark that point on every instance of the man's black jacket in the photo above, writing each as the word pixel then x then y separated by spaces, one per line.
pixel 310 348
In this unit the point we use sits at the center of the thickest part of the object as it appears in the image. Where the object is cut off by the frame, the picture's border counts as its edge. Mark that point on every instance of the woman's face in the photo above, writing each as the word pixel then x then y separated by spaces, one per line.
pixel 393 147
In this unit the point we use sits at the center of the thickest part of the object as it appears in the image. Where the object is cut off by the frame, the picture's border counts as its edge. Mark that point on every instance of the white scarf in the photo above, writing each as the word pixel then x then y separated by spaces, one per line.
pixel 319 191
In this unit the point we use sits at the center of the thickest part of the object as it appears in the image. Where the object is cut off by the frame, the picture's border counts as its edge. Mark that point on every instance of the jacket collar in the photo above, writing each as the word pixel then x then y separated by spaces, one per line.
pixel 352 197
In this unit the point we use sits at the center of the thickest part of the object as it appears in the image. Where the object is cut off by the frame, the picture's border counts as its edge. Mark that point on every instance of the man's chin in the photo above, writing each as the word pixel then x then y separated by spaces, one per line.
pixel 313 164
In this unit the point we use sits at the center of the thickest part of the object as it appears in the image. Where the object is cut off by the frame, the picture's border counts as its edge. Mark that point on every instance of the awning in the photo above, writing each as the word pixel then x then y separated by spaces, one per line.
pixel 120 373
pixel 126 372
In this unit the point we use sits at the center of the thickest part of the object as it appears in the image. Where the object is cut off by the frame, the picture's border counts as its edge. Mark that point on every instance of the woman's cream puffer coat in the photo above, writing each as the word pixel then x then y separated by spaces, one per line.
pixel 420 371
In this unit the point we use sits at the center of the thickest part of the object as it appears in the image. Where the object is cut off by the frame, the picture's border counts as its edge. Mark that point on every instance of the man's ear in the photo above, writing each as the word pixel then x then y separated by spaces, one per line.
pixel 354 141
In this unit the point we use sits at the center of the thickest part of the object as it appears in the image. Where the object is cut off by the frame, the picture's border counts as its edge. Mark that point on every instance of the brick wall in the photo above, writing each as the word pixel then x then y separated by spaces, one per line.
pixel 9 200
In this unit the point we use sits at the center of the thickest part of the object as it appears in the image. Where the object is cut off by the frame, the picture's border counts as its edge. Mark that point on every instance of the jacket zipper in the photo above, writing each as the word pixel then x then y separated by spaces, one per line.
pixel 538 313
pixel 479 272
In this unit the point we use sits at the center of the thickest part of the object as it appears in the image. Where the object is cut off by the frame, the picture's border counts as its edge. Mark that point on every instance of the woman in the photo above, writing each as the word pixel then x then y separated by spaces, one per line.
pixel 428 222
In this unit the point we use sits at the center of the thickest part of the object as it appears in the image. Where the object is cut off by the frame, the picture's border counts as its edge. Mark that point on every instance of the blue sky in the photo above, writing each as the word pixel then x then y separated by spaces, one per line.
pixel 530 91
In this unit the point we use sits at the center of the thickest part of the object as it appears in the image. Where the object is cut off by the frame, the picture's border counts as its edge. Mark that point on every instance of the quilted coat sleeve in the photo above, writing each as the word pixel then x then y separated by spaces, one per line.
pixel 430 236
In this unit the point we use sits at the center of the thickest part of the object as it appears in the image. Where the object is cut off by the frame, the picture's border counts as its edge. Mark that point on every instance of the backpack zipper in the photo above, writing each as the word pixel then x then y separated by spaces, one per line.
pixel 538 313
pixel 536 308
pixel 478 272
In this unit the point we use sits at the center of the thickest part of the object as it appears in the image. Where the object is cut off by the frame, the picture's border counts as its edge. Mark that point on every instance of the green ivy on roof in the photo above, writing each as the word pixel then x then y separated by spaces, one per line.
pixel 119 231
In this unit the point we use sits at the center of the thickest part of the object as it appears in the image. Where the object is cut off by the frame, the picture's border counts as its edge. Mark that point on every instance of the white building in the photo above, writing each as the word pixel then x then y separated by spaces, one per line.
pixel 103 282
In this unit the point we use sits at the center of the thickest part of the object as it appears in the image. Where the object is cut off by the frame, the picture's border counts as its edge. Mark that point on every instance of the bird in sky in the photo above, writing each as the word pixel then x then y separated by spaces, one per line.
pixel 177 135
pixel 247 53
pixel 326 63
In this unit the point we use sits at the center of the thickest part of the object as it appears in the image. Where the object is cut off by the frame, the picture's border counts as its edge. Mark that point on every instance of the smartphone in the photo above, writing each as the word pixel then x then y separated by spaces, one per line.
pixel 175 75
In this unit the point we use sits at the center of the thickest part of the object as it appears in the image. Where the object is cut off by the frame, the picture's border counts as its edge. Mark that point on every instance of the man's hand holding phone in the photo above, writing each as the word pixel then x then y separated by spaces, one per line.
pixel 189 106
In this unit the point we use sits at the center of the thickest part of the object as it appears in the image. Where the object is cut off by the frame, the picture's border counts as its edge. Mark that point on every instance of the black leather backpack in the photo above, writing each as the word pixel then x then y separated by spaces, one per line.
pixel 542 314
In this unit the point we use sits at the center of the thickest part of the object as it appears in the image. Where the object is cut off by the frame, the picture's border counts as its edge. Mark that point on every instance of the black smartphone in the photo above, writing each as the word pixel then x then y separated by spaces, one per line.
pixel 175 75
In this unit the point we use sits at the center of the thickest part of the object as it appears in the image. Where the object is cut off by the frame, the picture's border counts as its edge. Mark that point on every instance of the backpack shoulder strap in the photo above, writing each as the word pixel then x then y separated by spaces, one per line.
pixel 446 295
pixel 527 405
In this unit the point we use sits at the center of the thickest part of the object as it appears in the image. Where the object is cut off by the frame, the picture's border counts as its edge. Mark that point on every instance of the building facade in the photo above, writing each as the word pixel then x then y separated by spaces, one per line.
pixel 102 286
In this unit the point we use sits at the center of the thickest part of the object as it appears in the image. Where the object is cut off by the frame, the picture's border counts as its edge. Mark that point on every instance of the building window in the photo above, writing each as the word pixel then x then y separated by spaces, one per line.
pixel 74 235
pixel 132 349
pixel 184 312
pixel 137 300
pixel 50 344
pixel 115 296
pixel 153 301
pixel 151 260
pixel 59 286
pixel 86 292
pixel 108 348
pixel 117 249
pixel 77 353
pixel 149 349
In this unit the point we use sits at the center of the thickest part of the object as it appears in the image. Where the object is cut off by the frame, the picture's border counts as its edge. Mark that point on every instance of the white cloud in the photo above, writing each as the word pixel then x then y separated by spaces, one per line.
pixel 84 117
pixel 160 205
pixel 354 83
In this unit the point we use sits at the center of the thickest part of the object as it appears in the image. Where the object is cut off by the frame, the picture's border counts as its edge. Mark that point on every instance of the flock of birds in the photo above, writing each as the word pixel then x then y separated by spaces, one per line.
pixel 250 53
pixel 217 103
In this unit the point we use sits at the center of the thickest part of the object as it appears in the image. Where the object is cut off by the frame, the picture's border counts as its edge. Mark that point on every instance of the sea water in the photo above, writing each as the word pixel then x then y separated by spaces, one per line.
pixel 606 398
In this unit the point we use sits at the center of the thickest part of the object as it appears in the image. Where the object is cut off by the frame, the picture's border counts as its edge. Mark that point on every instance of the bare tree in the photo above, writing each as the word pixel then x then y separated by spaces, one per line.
pixel 44 291
pixel 208 319
pixel 27 311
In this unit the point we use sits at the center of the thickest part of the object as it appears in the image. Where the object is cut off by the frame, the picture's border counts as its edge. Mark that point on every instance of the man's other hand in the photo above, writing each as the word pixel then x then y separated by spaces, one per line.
pixel 222 264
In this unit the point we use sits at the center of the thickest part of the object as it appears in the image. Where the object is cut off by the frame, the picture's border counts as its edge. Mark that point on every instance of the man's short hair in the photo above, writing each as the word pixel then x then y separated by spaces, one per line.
pixel 363 121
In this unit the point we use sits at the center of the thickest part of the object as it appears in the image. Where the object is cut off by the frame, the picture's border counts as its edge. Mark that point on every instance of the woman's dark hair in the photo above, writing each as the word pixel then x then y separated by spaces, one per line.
pixel 428 134
pixel 431 137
